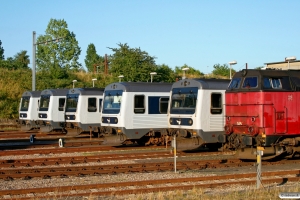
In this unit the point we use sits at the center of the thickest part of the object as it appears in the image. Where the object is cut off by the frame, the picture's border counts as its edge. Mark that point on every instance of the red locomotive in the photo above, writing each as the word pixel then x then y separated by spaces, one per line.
pixel 263 110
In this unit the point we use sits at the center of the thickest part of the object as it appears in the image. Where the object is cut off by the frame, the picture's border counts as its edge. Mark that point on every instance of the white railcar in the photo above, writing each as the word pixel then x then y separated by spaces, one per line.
pixel 196 113
pixel 51 110
pixel 83 110
pixel 136 111
pixel 28 110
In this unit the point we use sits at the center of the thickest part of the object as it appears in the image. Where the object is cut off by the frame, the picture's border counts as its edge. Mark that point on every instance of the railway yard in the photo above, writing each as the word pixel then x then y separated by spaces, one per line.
pixel 84 167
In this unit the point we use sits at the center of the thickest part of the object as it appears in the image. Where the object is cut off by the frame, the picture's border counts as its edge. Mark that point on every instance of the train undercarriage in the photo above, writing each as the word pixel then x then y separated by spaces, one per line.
pixel 29 125
pixel 272 146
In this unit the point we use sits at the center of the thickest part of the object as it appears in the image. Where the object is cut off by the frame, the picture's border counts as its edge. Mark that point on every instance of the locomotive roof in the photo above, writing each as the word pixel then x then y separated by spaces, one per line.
pixel 32 93
pixel 86 91
pixel 212 84
pixel 290 79
pixel 140 86
pixel 55 92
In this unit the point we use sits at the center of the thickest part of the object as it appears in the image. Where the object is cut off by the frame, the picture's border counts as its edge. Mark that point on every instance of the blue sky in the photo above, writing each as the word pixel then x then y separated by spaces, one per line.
pixel 199 33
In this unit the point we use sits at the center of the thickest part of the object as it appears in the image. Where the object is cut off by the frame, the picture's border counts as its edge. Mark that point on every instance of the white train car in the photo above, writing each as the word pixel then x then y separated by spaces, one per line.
pixel 28 110
pixel 136 112
pixel 51 110
pixel 197 112
pixel 83 110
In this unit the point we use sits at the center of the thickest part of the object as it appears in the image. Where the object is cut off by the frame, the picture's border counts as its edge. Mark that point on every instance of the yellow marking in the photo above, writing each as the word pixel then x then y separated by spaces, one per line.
pixel 260 148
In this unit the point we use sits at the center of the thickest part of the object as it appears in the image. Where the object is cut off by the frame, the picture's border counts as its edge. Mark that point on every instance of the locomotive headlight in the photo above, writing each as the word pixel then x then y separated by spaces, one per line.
pixel 253 119
pixel 190 121
pixel 170 120
pixel 228 118
pixel 116 120
pixel 102 119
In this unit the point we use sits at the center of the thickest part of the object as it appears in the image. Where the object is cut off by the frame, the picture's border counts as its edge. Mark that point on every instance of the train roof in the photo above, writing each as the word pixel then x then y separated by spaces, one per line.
pixel 32 93
pixel 268 72
pixel 140 86
pixel 55 92
pixel 86 91
pixel 204 84
pixel 290 79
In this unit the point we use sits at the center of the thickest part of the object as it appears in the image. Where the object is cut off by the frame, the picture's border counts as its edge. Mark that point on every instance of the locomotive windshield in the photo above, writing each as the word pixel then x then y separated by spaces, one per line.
pixel 44 103
pixel 72 101
pixel 112 101
pixel 235 83
pixel 25 103
pixel 250 82
pixel 183 100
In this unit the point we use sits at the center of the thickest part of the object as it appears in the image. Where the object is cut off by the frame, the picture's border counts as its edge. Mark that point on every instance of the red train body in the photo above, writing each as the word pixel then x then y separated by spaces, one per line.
pixel 262 109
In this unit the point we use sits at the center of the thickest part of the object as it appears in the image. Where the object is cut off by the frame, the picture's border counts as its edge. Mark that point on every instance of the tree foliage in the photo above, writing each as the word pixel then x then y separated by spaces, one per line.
pixel 1 51
pixel 92 59
pixel 57 51
pixel 190 73
pixel 164 74
pixel 19 61
pixel 133 63
pixel 22 59
pixel 222 70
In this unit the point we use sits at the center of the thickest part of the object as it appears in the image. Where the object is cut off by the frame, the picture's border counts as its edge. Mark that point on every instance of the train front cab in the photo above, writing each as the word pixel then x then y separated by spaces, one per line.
pixel 28 110
pixel 136 112
pixel 83 111
pixel 51 110
pixel 196 113
pixel 262 111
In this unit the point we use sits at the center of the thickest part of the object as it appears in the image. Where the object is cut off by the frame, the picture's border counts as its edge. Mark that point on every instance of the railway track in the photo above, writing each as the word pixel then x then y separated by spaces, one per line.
pixel 160 185
pixel 30 172
pixel 94 157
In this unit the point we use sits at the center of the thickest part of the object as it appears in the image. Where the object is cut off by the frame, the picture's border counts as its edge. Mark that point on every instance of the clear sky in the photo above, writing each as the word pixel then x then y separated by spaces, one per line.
pixel 199 33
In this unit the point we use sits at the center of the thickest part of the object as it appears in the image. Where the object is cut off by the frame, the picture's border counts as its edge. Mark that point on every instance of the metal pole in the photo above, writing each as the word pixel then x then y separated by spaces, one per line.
pixel 230 72
pixel 175 153
pixel 33 59
pixel 258 174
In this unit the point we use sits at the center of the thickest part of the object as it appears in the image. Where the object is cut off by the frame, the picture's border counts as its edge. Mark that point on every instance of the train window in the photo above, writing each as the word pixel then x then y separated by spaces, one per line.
pixel 276 83
pixel 267 83
pixel 235 83
pixel 44 102
pixel 139 104
pixel 92 105
pixel 72 101
pixel 25 103
pixel 61 104
pixel 163 105
pixel 216 103
pixel 250 82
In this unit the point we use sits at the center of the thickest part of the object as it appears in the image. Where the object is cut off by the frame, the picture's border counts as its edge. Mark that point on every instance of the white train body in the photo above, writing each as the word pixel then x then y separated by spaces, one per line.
pixel 51 109
pixel 197 109
pixel 83 109
pixel 28 110
pixel 135 108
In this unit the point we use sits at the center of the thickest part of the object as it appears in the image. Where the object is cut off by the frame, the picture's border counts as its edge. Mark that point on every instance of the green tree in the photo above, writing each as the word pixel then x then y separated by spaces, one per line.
pixel 93 59
pixel 58 51
pixel 133 63
pixel 22 59
pixel 164 74
pixel 191 73
pixel 222 70
pixel 1 51
pixel 19 61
